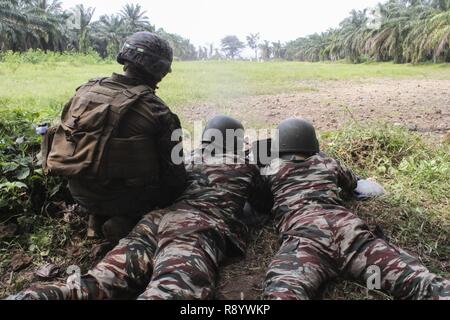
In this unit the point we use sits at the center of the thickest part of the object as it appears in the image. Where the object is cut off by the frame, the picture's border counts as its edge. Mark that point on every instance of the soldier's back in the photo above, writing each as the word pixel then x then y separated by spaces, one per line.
pixel 221 182
pixel 304 184
pixel 128 196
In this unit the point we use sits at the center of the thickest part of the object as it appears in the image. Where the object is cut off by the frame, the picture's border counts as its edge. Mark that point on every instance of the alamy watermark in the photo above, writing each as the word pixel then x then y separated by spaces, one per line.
pixel 74 278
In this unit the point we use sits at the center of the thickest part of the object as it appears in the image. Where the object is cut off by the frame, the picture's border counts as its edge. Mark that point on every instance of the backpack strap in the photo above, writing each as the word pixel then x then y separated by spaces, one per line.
pixel 91 82
pixel 129 96
pixel 119 106
pixel 122 102
pixel 140 90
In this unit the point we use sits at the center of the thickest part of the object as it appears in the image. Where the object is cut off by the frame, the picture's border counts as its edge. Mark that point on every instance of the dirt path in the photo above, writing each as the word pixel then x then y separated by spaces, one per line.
pixel 420 105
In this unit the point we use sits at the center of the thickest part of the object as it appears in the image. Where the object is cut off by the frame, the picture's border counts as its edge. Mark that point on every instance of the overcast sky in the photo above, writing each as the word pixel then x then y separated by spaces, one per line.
pixel 206 21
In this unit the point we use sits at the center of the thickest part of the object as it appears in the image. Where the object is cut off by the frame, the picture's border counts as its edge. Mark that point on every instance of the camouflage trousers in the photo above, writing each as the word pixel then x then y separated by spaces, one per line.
pixel 320 245
pixel 152 262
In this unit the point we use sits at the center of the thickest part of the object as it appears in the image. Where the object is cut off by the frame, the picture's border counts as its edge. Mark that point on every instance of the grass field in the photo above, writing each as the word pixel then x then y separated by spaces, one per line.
pixel 416 173
pixel 42 86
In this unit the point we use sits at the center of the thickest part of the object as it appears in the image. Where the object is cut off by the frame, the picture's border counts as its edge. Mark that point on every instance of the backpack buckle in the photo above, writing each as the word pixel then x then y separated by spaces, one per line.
pixel 69 137
pixel 73 122
pixel 129 94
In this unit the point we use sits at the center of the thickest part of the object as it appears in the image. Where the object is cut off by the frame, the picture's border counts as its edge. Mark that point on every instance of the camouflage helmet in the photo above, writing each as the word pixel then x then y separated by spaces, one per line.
pixel 297 135
pixel 148 51
pixel 216 130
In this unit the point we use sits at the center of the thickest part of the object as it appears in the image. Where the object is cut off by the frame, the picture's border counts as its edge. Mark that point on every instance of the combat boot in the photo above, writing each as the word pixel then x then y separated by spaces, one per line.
pixel 117 228
pixel 94 230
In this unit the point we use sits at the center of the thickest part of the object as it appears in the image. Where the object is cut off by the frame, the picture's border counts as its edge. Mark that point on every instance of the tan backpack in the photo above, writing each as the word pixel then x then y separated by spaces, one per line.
pixel 84 143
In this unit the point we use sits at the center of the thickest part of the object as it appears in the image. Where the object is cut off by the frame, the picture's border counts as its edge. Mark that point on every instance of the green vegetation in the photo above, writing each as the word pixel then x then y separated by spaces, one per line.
pixel 398 30
pixel 47 84
pixel 416 178
pixel 415 213
pixel 43 24
pixel 402 31
pixel 209 79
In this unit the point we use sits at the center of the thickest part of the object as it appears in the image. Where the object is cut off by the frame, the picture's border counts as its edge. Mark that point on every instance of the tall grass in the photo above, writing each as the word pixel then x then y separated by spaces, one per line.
pixel 416 175
pixel 41 57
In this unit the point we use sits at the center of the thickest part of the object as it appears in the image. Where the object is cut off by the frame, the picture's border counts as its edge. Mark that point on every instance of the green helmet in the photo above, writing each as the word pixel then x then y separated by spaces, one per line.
pixel 297 136
pixel 216 130
pixel 148 51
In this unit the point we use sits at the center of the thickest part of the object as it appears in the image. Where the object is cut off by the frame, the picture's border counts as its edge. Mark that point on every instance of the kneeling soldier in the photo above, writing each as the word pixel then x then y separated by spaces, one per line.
pixel 114 141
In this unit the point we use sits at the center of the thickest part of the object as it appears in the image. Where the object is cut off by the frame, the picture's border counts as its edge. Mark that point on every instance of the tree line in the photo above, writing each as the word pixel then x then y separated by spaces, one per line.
pixel 402 31
pixel 399 30
pixel 43 24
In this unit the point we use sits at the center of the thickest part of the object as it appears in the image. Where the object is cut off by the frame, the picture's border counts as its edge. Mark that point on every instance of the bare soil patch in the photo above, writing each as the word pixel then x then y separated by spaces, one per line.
pixel 418 104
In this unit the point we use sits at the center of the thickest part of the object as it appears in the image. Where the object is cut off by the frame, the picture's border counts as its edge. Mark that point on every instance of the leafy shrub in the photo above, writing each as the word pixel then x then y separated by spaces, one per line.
pixel 50 57
pixel 24 189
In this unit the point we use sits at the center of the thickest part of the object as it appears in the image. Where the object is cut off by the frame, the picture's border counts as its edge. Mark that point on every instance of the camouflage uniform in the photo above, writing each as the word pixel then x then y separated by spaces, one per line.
pixel 148 117
pixel 321 239
pixel 174 253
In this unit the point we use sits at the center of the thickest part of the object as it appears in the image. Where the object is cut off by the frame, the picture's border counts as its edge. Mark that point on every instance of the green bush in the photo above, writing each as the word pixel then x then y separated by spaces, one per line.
pixel 24 189
pixel 51 57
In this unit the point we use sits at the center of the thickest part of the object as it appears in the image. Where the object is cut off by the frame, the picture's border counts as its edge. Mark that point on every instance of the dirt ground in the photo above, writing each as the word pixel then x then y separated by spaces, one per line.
pixel 420 105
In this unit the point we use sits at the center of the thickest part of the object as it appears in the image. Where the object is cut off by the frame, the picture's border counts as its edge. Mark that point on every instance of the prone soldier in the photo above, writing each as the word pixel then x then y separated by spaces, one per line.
pixel 175 253
pixel 321 239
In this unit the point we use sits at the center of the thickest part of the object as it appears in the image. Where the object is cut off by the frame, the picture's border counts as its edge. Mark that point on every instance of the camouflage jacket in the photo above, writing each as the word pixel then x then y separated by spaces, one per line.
pixel 148 117
pixel 218 190
pixel 299 185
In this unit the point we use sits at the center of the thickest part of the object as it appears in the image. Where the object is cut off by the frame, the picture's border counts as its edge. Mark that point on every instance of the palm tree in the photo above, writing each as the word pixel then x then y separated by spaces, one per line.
pixel 9 12
pixel 135 19
pixel 80 21
pixel 11 20
pixel 277 50
pixel 395 25
pixel 51 7
pixel 183 49
pixel 30 24
pixel 399 30
pixel 438 37
pixel 332 49
pixel 253 42
pixel 54 35
pixel 266 50
pixel 353 34
pixel 430 34
pixel 108 33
